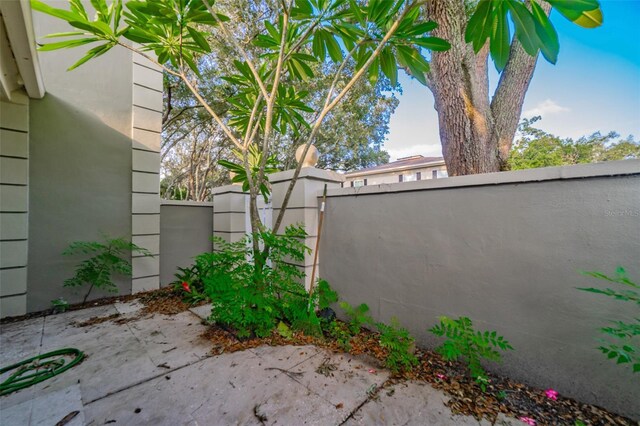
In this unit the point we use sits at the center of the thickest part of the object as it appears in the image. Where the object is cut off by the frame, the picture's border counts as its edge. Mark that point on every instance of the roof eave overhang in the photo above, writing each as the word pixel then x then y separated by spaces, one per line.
pixel 18 25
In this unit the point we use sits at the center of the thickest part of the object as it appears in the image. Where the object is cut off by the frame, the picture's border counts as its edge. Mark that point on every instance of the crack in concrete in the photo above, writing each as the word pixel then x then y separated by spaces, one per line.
pixel 370 397
pixel 164 373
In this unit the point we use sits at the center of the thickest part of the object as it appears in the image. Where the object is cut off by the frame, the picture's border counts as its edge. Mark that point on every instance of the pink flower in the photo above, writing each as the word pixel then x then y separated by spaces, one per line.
pixel 441 376
pixel 551 394
pixel 528 420
pixel 185 286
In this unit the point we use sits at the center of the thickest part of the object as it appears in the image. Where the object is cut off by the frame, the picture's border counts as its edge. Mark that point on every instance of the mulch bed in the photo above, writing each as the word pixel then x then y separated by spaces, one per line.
pixel 163 301
pixel 503 395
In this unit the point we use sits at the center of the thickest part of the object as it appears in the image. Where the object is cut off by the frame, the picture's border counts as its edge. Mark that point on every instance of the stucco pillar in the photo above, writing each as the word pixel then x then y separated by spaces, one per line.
pixel 304 205
pixel 230 213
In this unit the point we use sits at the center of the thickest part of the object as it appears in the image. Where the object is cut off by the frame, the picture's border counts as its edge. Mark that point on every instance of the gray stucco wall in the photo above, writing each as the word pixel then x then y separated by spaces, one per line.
pixel 80 163
pixel 186 229
pixel 505 253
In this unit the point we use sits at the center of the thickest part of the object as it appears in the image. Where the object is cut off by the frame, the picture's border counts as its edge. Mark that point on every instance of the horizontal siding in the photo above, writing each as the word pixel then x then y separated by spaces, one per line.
pixel 14 144
pixel 14 281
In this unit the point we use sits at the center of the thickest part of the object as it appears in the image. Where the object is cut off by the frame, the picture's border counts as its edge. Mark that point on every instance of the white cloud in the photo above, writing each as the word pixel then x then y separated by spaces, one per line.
pixel 545 108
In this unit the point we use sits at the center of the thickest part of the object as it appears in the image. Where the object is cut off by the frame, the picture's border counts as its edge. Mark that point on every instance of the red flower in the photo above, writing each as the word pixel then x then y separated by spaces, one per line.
pixel 185 286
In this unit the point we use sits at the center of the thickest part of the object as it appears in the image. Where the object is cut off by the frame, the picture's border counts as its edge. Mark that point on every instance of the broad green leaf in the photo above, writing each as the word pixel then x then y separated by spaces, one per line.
pixel 433 43
pixel 479 25
pixel 586 13
pixel 411 59
pixel 67 44
pixel 317 45
pixel 547 33
pixel 357 13
pixel 500 43
pixel 65 34
pixel 525 27
pixel 58 13
pixel 577 5
pixel 78 7
pixel 199 39
pixel 373 71
pixel 93 53
pixel 590 19
pixel 388 65
pixel 421 28
pixel 333 48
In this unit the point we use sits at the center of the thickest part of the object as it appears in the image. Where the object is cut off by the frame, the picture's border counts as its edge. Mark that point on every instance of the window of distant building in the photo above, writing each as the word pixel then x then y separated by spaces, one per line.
pixel 419 176
pixel 434 174
pixel 358 183
pixel 400 178
pixel 443 173
pixel 410 177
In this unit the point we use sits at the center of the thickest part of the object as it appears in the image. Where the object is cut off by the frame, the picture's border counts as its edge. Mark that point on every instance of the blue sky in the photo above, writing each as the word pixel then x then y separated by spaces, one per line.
pixel 595 86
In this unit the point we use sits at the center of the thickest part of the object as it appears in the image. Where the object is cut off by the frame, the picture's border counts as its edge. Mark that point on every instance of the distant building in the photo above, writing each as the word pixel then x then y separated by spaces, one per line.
pixel 407 169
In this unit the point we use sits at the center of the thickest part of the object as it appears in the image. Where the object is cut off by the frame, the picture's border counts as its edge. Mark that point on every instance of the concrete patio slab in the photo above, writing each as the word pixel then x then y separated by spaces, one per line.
pixel 414 404
pixel 202 311
pixel 158 370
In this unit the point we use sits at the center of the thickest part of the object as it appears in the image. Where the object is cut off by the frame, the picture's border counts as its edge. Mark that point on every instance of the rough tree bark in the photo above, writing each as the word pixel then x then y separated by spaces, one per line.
pixel 476 132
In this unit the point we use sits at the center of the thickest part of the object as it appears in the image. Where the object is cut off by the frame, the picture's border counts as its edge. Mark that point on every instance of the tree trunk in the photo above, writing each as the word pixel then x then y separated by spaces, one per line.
pixel 476 133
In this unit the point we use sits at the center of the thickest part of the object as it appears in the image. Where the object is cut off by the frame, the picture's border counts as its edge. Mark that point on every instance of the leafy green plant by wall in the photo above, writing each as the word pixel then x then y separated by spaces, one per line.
pixel 189 282
pixel 59 305
pixel 105 259
pixel 399 344
pixel 463 341
pixel 623 351
pixel 357 316
pixel 254 300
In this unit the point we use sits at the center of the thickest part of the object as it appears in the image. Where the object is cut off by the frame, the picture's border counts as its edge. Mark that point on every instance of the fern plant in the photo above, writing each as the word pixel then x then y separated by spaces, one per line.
pixel 254 300
pixel 470 345
pixel 399 344
pixel 106 258
pixel 624 333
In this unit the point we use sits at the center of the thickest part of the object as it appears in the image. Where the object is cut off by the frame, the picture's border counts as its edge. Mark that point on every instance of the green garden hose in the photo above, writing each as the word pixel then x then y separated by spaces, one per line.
pixel 38 369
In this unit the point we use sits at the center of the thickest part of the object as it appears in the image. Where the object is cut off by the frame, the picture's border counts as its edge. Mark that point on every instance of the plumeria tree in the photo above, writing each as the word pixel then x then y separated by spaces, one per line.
pixel 367 40
pixel 360 39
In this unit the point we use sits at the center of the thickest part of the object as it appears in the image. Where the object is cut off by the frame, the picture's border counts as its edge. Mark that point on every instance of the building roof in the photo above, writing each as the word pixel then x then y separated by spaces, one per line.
pixel 405 163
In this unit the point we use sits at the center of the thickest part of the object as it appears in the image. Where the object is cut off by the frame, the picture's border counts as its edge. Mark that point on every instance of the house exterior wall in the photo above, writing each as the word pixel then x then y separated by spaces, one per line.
pixel 14 204
pixel 388 177
pixel 186 229
pixel 506 250
pixel 86 163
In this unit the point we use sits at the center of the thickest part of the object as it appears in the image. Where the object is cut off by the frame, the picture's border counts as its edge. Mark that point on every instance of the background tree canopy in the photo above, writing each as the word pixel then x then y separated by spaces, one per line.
pixel 351 138
pixel 536 148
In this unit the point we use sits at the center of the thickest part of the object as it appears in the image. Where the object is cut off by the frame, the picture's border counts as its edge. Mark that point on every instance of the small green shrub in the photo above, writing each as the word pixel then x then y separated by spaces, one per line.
pixel 107 258
pixel 400 345
pixel 254 300
pixel 60 305
pixel 623 351
pixel 189 283
pixel 357 316
pixel 340 332
pixel 470 345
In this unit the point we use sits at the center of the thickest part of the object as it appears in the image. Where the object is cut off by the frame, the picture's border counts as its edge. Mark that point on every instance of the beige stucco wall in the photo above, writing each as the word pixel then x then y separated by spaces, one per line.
pixel 505 250
pixel 86 159
pixel 186 228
